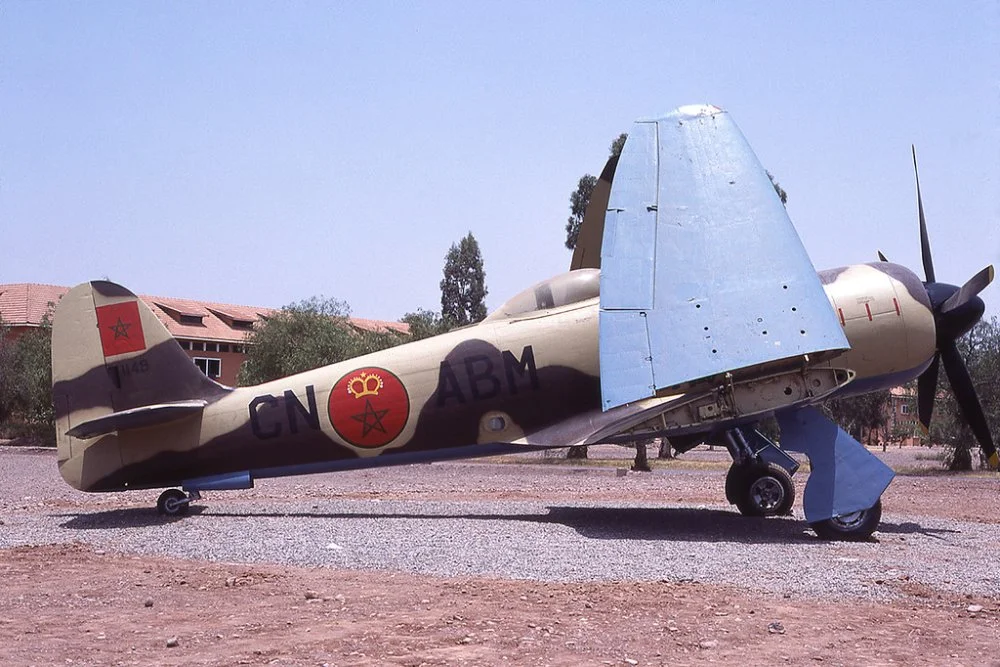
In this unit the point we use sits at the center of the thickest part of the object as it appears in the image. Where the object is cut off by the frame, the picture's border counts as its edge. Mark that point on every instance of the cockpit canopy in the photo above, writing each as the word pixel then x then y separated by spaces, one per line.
pixel 560 290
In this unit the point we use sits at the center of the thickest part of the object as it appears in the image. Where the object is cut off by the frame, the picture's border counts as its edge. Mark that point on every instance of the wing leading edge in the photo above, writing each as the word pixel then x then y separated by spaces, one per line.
pixel 702 272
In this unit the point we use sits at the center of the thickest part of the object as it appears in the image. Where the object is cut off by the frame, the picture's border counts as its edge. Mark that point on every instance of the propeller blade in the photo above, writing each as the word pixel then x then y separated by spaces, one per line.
pixel 926 392
pixel 968 401
pixel 881 257
pixel 925 244
pixel 971 288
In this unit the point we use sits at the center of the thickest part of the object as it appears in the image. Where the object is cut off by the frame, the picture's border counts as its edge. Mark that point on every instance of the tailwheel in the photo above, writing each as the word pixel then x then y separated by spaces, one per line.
pixel 760 489
pixel 173 502
pixel 851 527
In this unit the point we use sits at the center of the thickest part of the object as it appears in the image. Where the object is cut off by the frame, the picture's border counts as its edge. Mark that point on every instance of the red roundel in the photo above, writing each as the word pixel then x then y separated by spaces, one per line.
pixel 369 407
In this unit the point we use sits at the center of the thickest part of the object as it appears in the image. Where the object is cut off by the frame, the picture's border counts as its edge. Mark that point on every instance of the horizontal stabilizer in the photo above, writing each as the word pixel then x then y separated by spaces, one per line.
pixel 147 415
pixel 702 272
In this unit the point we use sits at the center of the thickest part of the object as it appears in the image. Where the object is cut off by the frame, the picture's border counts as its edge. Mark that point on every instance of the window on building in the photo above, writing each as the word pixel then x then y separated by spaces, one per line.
pixel 185 344
pixel 197 346
pixel 210 367
pixel 211 347
pixel 223 347
pixel 905 409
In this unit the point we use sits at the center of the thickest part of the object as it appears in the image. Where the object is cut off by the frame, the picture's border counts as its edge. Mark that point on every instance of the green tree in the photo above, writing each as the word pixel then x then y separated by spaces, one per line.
pixel 580 198
pixel 863 415
pixel 26 382
pixel 424 324
pixel 578 201
pixel 306 335
pixel 617 145
pixel 463 288
pixel 980 349
pixel 6 375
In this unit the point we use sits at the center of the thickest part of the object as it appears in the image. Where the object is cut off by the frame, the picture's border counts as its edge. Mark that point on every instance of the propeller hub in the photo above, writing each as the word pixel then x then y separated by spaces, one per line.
pixel 955 323
pixel 939 293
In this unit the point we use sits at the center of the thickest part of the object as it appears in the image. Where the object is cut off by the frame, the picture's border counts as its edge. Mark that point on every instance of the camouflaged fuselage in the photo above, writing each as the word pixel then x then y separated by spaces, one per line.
pixel 530 378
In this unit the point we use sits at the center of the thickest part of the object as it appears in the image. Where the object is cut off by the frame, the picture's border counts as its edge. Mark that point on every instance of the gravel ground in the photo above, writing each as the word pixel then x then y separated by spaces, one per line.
pixel 475 563
pixel 550 523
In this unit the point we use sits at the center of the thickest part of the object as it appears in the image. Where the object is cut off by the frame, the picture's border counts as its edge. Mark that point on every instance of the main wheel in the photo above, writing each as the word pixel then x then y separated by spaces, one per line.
pixel 760 490
pixel 853 527
pixel 173 502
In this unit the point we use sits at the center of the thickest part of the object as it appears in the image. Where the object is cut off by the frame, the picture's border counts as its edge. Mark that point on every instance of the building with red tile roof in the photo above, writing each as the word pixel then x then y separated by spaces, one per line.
pixel 213 334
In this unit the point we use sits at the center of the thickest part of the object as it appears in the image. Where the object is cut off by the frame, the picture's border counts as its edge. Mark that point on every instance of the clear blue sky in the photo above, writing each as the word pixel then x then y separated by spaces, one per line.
pixel 262 153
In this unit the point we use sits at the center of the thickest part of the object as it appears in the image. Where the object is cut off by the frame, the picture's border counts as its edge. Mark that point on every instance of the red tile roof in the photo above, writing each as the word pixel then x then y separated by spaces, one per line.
pixel 25 304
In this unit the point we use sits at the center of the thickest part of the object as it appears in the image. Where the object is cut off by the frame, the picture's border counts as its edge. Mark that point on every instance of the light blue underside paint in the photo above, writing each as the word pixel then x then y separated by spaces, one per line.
pixel 230 481
pixel 697 240
pixel 399 459
pixel 845 476
pixel 245 479
pixel 624 353
pixel 630 224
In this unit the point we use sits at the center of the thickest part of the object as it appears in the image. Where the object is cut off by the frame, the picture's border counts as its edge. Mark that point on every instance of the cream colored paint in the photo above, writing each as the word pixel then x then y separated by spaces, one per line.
pixel 888 342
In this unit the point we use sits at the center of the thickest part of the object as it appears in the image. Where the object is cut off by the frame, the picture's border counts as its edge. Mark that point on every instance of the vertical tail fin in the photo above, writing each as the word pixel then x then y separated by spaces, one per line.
pixel 110 353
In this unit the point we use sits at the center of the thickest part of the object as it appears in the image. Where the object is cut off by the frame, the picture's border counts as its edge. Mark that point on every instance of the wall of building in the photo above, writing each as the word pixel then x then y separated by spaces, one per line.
pixel 228 356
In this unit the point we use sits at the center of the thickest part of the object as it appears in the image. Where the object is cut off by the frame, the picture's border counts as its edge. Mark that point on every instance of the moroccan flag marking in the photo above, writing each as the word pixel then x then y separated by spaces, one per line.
pixel 121 329
pixel 369 407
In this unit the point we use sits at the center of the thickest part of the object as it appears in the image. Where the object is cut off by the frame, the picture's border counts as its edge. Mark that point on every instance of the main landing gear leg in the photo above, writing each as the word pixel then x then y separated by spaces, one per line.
pixel 759 482
pixel 174 502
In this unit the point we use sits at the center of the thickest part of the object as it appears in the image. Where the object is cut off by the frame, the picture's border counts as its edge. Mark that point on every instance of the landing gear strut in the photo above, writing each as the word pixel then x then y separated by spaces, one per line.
pixel 174 502
pixel 759 482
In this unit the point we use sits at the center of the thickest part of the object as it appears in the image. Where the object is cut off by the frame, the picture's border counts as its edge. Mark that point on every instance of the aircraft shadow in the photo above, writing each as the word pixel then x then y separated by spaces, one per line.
pixel 912 528
pixel 673 524
pixel 134 517
pixel 601 523
pixel 676 524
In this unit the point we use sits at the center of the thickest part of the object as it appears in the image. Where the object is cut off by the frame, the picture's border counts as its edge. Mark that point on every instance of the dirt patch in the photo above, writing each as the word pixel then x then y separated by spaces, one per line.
pixel 70 604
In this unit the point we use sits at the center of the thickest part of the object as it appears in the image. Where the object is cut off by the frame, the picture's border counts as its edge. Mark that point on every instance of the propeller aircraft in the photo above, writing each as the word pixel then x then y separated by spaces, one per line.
pixel 691 311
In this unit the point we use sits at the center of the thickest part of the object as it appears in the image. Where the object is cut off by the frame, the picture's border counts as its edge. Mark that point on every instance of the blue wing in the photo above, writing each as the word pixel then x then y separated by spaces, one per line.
pixel 702 272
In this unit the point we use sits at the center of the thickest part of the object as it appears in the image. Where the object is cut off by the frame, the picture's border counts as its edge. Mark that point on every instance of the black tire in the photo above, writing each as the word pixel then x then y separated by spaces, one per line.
pixel 173 502
pixel 760 490
pixel 736 482
pixel 852 527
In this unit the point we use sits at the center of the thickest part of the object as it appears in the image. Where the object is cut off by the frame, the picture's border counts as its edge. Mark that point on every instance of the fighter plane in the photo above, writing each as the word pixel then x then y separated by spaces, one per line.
pixel 692 312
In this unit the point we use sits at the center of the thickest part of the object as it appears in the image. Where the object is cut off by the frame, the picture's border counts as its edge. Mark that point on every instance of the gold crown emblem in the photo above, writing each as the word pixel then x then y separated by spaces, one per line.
pixel 366 384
